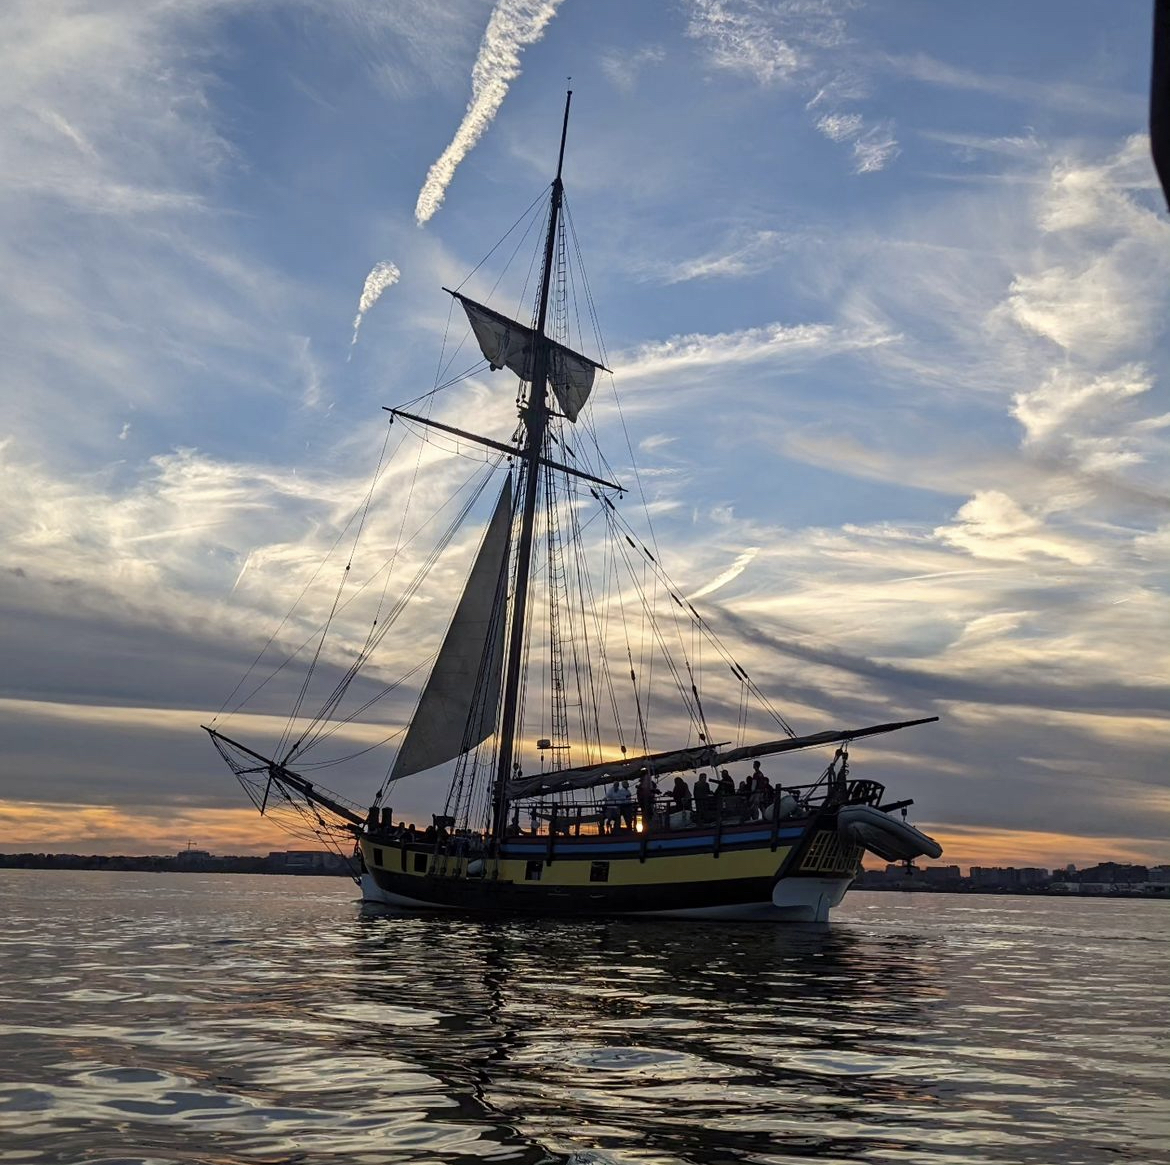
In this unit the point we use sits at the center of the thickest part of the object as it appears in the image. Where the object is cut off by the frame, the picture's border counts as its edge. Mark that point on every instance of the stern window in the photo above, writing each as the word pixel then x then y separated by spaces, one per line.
pixel 599 872
pixel 378 858
pixel 532 871
pixel 420 863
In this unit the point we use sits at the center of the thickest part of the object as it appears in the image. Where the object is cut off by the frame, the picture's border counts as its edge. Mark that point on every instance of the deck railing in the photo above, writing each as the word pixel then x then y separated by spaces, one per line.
pixel 589 816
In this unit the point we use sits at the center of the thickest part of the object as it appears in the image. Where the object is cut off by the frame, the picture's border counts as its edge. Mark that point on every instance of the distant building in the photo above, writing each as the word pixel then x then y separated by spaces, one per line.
pixel 306 861
pixel 1108 879
pixel 193 857
pixel 1008 877
pixel 1115 873
pixel 941 873
pixel 1033 876
pixel 994 876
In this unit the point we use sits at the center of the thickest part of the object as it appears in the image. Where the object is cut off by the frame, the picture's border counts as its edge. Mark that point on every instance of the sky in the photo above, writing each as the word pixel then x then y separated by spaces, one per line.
pixel 884 287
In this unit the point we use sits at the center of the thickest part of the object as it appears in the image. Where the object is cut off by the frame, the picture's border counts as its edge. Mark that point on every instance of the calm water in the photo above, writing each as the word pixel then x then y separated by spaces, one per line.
pixel 179 1018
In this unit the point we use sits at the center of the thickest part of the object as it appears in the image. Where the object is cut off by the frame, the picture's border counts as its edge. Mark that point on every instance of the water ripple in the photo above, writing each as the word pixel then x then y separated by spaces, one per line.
pixel 155 1019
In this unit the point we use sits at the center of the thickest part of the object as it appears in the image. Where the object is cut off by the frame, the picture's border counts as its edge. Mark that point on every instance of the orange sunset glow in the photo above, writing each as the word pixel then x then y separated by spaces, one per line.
pixel 29 827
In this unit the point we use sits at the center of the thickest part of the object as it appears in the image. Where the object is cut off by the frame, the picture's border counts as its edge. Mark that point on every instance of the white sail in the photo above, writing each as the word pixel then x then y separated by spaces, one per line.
pixel 506 343
pixel 458 706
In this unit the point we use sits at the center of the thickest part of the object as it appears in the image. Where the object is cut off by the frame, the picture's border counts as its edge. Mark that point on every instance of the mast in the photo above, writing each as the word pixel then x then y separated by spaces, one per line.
pixel 535 424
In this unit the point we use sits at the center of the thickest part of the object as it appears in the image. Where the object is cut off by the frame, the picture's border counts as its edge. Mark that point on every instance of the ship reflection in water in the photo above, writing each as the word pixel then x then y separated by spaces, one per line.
pixel 658 1042
pixel 189 1018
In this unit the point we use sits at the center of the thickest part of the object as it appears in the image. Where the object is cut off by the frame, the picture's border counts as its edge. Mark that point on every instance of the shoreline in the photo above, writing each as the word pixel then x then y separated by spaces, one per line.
pixel 338 867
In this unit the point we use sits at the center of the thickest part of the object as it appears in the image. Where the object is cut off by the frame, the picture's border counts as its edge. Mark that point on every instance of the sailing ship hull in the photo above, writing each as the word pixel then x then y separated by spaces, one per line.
pixel 796 873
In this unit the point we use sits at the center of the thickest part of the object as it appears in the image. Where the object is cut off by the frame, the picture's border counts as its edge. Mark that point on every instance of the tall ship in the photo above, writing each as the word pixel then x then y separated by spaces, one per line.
pixel 597 740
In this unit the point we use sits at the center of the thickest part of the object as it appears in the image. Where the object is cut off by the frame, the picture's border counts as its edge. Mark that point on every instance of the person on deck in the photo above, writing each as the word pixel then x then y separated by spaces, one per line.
pixel 704 796
pixel 646 791
pixel 681 794
pixel 760 793
pixel 611 810
pixel 726 786
pixel 626 805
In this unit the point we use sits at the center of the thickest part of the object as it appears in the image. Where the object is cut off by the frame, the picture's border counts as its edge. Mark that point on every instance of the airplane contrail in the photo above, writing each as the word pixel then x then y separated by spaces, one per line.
pixel 513 25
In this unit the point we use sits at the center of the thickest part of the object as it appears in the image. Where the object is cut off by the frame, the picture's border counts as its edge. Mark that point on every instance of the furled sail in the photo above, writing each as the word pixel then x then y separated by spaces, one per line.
pixel 458 706
pixel 660 763
pixel 506 343
pixel 589 776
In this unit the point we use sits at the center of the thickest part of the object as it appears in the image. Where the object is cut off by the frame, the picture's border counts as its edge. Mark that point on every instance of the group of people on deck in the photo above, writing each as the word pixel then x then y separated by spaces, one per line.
pixel 755 793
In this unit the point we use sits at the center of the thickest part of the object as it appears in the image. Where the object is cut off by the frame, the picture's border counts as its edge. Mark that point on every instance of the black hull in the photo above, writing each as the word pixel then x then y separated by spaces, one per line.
pixel 482 895
pixel 752 870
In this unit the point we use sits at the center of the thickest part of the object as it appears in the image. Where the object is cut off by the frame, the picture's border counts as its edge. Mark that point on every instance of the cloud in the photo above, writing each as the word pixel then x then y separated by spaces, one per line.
pixel 908 686
pixel 624 68
pixel 973 845
pixel 968 145
pixel 381 276
pixel 839 127
pixel 745 36
pixel 512 27
pixel 96 828
pixel 1078 308
pixel 993 525
pixel 1094 283
pixel 1062 95
pixel 744 254
pixel 698 351
pixel 794 42
pixel 875 148
pixel 729 575
pixel 1085 419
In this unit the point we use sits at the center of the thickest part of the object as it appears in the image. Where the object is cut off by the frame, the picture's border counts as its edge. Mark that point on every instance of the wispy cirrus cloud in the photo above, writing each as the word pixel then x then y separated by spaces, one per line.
pixel 760 40
pixel 874 149
pixel 874 145
pixel 1063 95
pixel 742 253
pixel 840 127
pixel 623 68
pixel 800 44
pixel 697 352
pixel 968 145
pixel 512 27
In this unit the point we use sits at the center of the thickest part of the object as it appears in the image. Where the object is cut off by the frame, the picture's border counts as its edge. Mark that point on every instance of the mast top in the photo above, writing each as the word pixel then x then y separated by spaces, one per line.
pixel 564 132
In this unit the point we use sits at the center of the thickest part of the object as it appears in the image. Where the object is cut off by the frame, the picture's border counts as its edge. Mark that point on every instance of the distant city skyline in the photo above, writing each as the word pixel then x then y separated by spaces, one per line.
pixel 885 290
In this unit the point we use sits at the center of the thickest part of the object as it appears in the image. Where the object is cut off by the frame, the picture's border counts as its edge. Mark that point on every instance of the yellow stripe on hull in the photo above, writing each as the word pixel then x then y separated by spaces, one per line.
pixel 566 870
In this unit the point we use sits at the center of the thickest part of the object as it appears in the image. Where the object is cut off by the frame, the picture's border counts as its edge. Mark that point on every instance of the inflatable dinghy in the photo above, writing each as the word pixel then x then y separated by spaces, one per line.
pixel 886 836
